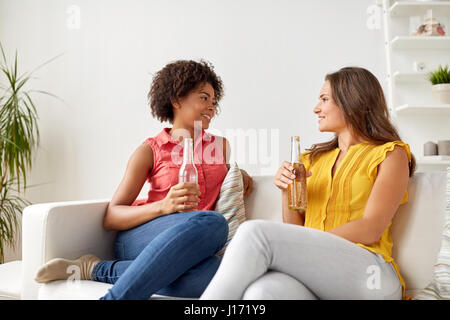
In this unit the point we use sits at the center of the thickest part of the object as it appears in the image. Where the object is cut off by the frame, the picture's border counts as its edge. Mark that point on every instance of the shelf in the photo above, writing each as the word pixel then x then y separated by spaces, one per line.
pixel 410 77
pixel 434 160
pixel 424 109
pixel 419 42
pixel 414 8
pixel 433 163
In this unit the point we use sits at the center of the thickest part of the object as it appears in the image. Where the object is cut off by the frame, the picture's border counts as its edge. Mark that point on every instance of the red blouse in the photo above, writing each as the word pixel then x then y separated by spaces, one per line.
pixel 168 157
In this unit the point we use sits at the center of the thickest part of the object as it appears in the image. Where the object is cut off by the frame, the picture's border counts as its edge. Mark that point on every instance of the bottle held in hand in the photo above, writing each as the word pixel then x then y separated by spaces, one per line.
pixel 297 195
pixel 188 171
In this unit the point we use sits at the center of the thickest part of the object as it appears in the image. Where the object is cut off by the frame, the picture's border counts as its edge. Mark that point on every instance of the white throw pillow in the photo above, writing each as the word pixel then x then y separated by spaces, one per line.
pixel 439 288
pixel 231 202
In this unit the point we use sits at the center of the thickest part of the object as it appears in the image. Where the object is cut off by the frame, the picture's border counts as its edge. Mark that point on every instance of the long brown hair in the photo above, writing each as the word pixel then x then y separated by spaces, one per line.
pixel 359 95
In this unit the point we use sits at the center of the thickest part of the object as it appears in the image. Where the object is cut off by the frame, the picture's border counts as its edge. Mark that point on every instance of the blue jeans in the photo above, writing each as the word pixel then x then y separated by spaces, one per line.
pixel 172 255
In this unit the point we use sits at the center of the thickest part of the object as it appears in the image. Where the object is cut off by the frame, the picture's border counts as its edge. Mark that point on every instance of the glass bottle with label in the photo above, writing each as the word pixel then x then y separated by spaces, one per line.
pixel 297 195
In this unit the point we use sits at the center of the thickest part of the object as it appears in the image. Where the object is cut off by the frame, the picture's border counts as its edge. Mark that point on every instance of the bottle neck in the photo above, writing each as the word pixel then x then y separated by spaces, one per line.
pixel 295 150
pixel 188 151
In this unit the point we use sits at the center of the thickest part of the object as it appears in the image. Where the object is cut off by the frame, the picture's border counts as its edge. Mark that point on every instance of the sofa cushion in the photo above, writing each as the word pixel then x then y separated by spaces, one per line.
pixel 416 229
pixel 231 202
pixel 439 288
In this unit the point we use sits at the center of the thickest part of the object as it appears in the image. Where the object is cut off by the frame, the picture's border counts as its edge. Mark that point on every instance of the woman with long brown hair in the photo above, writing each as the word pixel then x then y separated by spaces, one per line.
pixel 340 247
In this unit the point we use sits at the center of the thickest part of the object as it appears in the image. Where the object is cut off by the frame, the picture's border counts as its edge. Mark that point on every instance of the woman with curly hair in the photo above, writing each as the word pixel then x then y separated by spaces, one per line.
pixel 167 244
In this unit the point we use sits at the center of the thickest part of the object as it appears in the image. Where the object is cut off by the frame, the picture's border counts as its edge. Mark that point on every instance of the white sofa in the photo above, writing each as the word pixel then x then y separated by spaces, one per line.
pixel 71 229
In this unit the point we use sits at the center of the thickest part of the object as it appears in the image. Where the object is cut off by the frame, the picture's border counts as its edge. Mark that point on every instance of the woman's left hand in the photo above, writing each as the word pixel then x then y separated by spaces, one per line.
pixel 248 183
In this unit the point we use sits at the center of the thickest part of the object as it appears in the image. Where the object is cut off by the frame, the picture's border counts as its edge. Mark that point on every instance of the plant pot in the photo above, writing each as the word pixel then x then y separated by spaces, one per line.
pixel 441 93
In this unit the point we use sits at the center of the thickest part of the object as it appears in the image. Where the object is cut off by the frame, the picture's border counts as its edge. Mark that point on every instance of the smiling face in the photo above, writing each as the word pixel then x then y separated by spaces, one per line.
pixel 331 117
pixel 199 105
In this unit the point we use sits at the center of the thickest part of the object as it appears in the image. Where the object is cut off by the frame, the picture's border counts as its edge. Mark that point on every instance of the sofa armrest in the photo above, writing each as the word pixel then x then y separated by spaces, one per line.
pixel 65 230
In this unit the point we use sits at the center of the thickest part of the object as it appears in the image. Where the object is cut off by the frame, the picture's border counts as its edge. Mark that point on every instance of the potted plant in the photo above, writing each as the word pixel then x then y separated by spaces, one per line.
pixel 440 80
pixel 19 137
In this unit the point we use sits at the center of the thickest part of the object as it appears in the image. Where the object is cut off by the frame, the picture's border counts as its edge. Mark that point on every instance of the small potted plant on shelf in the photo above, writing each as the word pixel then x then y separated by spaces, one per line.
pixel 440 80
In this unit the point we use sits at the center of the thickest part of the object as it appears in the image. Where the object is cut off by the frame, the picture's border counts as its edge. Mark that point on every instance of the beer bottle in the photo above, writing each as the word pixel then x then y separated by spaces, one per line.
pixel 297 196
pixel 188 171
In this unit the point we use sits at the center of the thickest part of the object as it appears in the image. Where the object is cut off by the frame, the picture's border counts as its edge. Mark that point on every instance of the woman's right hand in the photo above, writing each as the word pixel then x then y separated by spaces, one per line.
pixel 181 197
pixel 284 176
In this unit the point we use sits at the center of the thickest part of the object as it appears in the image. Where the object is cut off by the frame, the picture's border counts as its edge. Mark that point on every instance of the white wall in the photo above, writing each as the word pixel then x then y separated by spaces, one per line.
pixel 271 55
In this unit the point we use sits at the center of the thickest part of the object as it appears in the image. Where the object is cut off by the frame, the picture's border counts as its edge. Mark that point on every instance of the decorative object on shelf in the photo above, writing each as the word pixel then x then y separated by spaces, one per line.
pixel 431 27
pixel 441 149
pixel 440 80
pixel 419 66
pixel 430 149
pixel 444 147
pixel 427 26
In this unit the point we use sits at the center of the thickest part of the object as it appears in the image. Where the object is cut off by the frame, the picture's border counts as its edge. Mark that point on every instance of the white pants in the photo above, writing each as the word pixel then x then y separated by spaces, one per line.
pixel 273 260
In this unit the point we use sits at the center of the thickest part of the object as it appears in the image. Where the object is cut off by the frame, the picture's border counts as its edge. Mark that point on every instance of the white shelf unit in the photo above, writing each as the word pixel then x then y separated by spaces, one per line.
pixel 420 42
pixel 421 109
pixel 409 77
pixel 435 160
pixel 409 96
pixel 415 8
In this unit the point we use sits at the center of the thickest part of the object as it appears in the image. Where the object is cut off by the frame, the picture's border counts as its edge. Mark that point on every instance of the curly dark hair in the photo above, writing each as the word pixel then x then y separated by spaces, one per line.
pixel 176 80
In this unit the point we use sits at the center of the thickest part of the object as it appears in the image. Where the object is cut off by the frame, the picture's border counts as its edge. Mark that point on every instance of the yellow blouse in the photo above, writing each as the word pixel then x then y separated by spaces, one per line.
pixel 335 201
